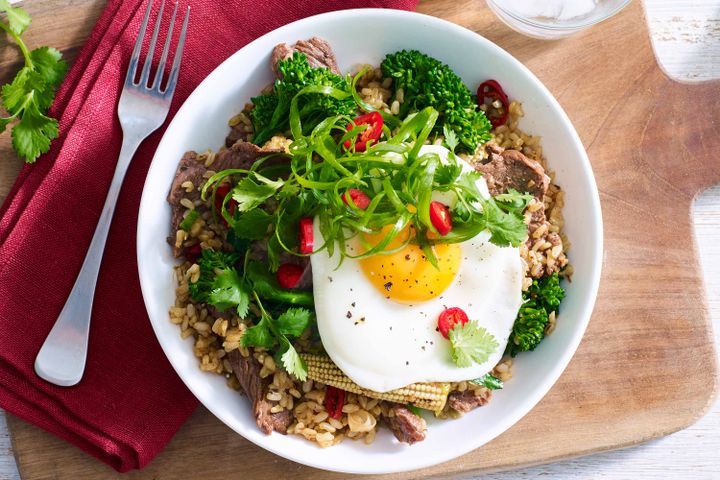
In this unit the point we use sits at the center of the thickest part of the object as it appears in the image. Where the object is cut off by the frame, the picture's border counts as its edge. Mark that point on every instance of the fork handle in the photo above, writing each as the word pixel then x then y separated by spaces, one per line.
pixel 61 359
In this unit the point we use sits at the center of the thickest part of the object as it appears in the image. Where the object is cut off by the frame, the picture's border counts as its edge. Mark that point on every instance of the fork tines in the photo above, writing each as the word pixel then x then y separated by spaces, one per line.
pixel 145 73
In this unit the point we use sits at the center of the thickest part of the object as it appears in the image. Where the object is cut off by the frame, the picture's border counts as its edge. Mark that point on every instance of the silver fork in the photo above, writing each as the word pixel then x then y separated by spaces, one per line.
pixel 142 109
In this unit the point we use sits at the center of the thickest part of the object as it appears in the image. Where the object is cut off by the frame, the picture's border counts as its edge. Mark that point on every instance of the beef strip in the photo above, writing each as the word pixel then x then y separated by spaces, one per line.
pixel 237 132
pixel 319 54
pixel 407 427
pixel 511 169
pixel 240 155
pixel 189 169
pixel 468 399
pixel 247 371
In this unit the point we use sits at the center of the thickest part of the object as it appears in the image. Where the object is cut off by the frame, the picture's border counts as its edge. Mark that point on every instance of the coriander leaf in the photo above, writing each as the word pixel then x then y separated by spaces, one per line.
pixel 189 220
pixel 513 201
pixel 3 123
pixel 489 381
pixel 49 66
pixel 18 19
pixel 258 335
pixel 252 225
pixel 505 228
pixel 467 182
pixel 292 362
pixel 209 261
pixel 249 194
pixel 288 190
pixel 293 321
pixel 31 137
pixel 471 343
pixel 228 291
pixel 451 139
pixel 447 173
pixel 274 251
pixel 15 94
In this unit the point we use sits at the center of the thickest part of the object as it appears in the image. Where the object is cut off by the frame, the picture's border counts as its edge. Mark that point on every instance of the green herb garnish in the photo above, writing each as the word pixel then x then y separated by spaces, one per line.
pixel 27 98
pixel 270 332
pixel 471 343
pixel 398 180
pixel 489 381
pixel 188 221
pixel 220 284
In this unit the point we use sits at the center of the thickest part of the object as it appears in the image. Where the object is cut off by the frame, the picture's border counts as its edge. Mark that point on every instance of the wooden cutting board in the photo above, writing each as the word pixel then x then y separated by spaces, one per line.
pixel 646 366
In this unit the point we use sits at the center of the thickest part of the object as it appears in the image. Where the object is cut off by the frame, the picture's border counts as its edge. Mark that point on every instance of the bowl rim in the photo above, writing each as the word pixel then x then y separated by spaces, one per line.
pixel 586 307
pixel 576 25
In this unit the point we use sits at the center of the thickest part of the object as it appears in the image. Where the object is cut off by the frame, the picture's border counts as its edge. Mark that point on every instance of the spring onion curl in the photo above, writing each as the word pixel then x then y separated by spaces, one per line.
pixel 396 177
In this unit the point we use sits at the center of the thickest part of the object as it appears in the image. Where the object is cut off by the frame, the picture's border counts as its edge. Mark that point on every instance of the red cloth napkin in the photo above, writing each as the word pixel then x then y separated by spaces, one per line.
pixel 130 401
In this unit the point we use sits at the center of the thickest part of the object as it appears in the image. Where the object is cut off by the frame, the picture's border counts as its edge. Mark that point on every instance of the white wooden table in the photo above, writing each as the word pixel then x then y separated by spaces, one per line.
pixel 686 37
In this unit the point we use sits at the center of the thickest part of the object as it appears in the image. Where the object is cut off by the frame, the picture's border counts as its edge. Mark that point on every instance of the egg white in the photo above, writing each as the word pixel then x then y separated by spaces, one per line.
pixel 382 344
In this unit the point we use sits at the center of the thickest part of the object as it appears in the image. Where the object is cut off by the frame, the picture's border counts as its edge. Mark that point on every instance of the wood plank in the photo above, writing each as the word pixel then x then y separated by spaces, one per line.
pixel 649 340
pixel 65 27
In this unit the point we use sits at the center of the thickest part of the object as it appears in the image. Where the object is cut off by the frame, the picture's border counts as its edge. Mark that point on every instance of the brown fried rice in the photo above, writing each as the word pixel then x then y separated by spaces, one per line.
pixel 215 335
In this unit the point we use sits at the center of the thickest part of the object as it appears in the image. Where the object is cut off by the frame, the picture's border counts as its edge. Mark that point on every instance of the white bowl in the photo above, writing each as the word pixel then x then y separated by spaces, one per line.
pixel 201 123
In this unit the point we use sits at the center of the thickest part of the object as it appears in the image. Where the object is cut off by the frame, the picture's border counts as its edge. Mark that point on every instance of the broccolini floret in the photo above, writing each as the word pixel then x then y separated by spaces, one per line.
pixel 541 299
pixel 208 262
pixel 426 82
pixel 271 112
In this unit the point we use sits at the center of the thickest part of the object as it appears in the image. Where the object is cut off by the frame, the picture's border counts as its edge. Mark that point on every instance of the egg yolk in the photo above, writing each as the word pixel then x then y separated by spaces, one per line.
pixel 407 276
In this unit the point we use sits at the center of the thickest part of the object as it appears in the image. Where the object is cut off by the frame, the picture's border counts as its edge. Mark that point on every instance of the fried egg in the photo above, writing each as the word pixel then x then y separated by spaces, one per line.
pixel 377 316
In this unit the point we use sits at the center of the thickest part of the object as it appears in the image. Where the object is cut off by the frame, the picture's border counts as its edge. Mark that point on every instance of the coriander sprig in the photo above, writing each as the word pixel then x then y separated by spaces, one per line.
pixel 27 98
pixel 269 332
pixel 470 343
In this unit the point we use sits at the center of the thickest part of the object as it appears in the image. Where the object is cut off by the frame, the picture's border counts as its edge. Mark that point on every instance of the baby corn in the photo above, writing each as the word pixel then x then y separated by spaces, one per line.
pixel 430 396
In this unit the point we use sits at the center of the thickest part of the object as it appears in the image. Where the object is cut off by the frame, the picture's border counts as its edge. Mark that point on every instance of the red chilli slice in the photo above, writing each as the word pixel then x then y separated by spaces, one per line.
pixel 220 193
pixel 374 121
pixel 449 318
pixel 357 197
pixel 306 235
pixel 334 402
pixel 193 253
pixel 440 218
pixel 289 274
pixel 491 89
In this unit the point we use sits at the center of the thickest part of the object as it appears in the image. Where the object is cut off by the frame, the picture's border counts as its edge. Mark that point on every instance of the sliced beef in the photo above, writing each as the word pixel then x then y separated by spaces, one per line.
pixel 511 169
pixel 407 427
pixel 247 371
pixel 242 155
pixel 318 52
pixel 237 132
pixel 468 399
pixel 189 169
